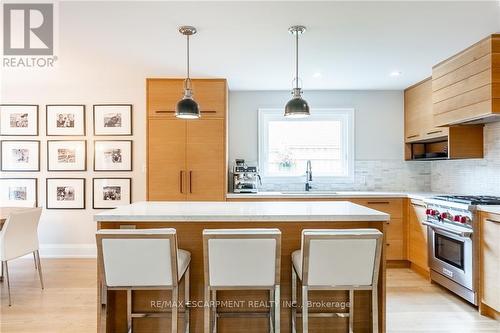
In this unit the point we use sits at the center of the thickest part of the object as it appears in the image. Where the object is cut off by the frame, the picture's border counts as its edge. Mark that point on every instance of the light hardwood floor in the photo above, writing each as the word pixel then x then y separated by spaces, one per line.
pixel 68 303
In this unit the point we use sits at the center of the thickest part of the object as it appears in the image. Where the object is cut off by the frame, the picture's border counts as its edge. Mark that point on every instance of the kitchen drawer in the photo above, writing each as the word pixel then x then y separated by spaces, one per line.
pixel 394 250
pixel 394 229
pixel 394 207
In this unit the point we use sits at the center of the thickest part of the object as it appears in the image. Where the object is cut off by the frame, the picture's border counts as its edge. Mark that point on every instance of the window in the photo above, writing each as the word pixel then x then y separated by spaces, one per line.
pixel 326 138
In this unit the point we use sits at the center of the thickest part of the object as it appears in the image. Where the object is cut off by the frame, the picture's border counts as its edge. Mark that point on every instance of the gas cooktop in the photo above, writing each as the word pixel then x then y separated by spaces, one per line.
pixel 470 199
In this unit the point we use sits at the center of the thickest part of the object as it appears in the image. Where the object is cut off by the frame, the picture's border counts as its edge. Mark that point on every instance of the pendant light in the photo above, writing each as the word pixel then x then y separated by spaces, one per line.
pixel 187 108
pixel 297 107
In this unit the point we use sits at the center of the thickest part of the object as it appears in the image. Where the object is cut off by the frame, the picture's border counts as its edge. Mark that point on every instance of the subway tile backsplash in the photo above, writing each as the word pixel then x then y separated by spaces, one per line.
pixel 382 175
pixel 475 177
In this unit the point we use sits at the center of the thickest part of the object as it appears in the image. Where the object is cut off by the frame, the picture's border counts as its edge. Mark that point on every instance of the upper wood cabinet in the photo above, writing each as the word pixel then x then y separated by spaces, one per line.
pixel 423 140
pixel 419 119
pixel 163 95
pixel 490 264
pixel 466 87
pixel 187 159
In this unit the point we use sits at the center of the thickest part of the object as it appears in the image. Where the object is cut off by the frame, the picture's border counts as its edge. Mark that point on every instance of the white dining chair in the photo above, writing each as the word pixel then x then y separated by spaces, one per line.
pixel 241 259
pixel 19 237
pixel 142 259
pixel 336 259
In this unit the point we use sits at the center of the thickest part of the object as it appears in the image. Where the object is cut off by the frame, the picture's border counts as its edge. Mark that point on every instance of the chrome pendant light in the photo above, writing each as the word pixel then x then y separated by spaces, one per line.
pixel 187 108
pixel 297 107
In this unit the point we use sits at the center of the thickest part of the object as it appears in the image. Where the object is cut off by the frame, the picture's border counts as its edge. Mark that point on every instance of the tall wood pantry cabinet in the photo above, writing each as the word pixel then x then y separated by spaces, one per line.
pixel 187 159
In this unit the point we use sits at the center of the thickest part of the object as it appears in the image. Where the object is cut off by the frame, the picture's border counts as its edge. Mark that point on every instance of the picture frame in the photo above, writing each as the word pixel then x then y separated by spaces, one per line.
pixel 19 119
pixel 20 156
pixel 18 192
pixel 65 193
pixel 66 155
pixel 113 155
pixel 65 120
pixel 112 119
pixel 111 192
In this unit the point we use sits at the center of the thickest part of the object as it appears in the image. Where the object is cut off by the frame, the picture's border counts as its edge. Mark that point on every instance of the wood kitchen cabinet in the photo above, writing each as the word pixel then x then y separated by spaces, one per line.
pixel 424 140
pixel 394 228
pixel 466 87
pixel 490 265
pixel 186 158
pixel 419 119
pixel 163 95
pixel 417 237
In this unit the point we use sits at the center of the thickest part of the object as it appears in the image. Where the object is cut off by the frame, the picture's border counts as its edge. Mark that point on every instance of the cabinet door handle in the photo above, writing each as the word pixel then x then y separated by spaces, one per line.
pixel 190 181
pixel 490 220
pixel 181 181
pixel 378 202
pixel 412 136
pixel 434 132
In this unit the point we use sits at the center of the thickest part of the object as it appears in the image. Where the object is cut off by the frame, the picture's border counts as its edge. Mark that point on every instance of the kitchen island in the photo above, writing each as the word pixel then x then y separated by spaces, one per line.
pixel 190 218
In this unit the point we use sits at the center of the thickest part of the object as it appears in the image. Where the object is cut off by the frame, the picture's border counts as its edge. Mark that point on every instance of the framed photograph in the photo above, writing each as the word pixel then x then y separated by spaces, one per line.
pixel 18 119
pixel 65 193
pixel 20 155
pixel 112 155
pixel 113 119
pixel 18 192
pixel 67 120
pixel 66 155
pixel 111 192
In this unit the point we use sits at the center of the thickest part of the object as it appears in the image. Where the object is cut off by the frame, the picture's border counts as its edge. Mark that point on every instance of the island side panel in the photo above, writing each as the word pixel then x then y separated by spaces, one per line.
pixel 190 238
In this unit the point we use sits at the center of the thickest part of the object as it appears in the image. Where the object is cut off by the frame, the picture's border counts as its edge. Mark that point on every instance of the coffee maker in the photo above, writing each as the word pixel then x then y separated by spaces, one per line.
pixel 245 177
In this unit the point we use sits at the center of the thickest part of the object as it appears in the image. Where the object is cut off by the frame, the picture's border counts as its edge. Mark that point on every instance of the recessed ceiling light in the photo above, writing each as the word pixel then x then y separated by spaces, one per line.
pixel 317 75
pixel 395 73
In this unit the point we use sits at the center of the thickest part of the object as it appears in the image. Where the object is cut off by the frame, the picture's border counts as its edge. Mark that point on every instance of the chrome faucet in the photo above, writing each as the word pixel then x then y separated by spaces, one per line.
pixel 309 176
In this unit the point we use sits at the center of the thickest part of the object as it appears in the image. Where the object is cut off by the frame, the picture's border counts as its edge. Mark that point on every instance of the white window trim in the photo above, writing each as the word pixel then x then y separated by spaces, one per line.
pixel 315 115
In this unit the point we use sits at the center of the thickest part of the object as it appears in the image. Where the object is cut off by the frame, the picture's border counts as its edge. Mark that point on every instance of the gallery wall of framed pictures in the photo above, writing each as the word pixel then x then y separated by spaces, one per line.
pixel 65 148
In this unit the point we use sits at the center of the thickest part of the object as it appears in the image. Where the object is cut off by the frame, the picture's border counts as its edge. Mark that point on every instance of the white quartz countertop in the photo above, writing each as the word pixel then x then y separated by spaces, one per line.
pixel 490 209
pixel 330 194
pixel 242 211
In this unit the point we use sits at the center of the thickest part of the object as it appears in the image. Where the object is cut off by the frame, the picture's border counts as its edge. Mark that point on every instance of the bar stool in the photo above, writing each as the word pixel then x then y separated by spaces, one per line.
pixel 241 259
pixel 143 259
pixel 342 259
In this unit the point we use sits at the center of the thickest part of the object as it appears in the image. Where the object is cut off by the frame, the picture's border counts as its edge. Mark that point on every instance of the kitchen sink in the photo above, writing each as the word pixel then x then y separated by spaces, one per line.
pixel 311 192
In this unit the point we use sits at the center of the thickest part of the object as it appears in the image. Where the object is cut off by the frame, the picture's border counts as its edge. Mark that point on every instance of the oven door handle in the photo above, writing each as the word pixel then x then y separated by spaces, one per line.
pixel 454 232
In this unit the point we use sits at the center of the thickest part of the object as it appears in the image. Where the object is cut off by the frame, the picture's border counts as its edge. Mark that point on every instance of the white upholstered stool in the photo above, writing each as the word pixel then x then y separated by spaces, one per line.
pixel 343 259
pixel 241 259
pixel 143 259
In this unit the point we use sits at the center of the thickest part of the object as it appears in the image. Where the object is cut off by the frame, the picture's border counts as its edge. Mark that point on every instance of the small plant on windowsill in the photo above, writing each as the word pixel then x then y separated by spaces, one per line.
pixel 286 162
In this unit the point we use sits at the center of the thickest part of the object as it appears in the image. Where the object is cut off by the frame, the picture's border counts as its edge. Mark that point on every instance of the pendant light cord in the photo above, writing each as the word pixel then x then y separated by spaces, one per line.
pixel 187 40
pixel 296 59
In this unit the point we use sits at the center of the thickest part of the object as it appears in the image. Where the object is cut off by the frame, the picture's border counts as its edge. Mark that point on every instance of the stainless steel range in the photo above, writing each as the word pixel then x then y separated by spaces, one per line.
pixel 452 231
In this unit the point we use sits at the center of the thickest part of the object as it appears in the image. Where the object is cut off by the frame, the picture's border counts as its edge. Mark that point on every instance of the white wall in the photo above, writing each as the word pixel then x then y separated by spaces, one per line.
pixel 378 120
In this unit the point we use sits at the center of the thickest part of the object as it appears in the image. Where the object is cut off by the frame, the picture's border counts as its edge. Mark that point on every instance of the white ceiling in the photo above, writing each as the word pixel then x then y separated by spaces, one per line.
pixel 354 45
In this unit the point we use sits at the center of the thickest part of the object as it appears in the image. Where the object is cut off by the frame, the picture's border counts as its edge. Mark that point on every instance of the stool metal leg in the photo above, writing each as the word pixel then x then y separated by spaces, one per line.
pixel 277 312
pixel 271 311
pixel 187 299
pixel 129 311
pixel 35 260
pixel 207 309
pixel 305 310
pixel 104 307
pixel 39 266
pixel 6 268
pixel 175 308
pixel 294 300
pixel 214 311
pixel 351 311
pixel 375 308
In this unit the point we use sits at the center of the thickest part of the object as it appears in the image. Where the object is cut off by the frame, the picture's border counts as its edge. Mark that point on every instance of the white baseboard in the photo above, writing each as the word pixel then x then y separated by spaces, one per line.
pixel 68 251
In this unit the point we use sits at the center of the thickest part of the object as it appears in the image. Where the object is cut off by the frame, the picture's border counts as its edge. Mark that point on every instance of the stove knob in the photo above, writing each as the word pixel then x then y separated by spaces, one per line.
pixel 428 211
pixel 435 212
pixel 444 215
pixel 457 218
pixel 464 219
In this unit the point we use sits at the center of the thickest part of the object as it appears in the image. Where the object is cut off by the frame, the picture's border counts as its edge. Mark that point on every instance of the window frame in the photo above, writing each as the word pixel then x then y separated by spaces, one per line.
pixel 267 114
